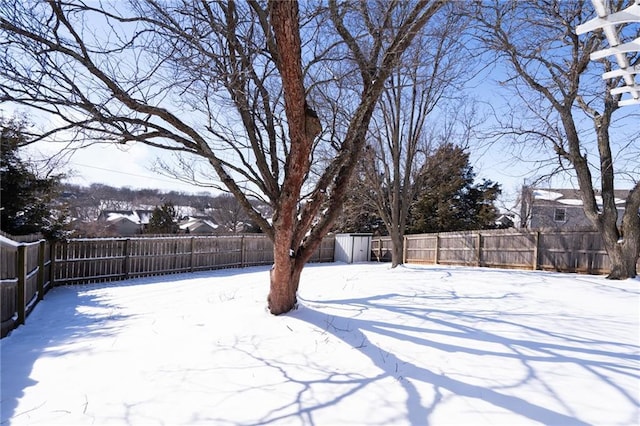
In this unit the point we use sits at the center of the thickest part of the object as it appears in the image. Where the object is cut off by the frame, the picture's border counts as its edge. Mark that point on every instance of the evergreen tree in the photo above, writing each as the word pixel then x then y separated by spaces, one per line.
pixel 26 198
pixel 448 200
pixel 163 220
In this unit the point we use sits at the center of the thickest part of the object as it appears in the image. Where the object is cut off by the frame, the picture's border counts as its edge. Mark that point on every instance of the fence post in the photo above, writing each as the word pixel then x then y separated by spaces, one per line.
pixel 21 290
pixel 536 252
pixel 479 250
pixel 192 254
pixel 41 248
pixel 64 257
pixel 242 251
pixel 437 255
pixel 125 266
pixel 52 267
pixel 404 248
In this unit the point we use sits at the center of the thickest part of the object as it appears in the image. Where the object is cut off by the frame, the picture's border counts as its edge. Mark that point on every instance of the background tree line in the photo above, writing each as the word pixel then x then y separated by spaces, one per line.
pixel 40 201
pixel 35 199
pixel 447 198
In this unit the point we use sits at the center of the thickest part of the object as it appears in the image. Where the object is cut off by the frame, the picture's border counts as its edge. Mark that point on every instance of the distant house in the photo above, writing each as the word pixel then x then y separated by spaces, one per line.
pixel 558 208
pixel 505 220
pixel 126 222
pixel 198 225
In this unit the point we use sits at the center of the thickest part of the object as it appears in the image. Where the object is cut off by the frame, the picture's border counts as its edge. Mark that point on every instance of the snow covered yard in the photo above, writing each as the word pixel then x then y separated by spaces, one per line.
pixel 368 345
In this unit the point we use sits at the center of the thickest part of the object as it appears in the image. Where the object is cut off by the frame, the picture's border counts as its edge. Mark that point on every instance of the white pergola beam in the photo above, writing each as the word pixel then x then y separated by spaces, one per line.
pixel 633 46
pixel 607 22
pixel 621 72
pixel 628 102
pixel 624 89
pixel 630 14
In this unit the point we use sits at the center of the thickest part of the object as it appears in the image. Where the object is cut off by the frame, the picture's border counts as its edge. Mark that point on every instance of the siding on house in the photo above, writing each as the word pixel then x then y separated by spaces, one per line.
pixel 124 226
pixel 126 222
pixel 559 208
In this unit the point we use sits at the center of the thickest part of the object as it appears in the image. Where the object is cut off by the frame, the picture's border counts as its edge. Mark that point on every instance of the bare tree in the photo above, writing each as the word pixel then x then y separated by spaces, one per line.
pixel 227 212
pixel 220 81
pixel 400 140
pixel 561 90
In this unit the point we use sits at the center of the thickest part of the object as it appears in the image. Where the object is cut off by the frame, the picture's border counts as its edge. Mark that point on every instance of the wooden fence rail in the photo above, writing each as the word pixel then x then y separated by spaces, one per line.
pixel 109 259
pixel 29 270
pixel 25 276
pixel 562 251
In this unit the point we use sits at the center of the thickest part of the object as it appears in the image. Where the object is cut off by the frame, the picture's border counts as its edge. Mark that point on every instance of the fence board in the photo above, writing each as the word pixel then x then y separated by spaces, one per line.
pixel 574 252
pixel 8 295
pixel 324 253
pixel 23 280
pixel 458 249
pixel 421 248
pixel 95 260
pixel 87 260
pixel 562 251
pixel 512 250
pixel 381 249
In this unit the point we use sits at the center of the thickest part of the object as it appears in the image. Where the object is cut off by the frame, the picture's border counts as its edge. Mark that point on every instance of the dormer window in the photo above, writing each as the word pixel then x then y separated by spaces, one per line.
pixel 560 215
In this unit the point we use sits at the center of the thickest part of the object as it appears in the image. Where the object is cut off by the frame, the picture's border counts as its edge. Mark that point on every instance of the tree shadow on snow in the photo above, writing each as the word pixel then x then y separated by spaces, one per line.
pixel 66 315
pixel 601 358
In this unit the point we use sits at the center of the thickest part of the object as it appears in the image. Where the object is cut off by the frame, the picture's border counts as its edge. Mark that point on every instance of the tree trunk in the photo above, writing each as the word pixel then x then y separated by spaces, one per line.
pixel 622 242
pixel 293 245
pixel 623 262
pixel 285 277
pixel 625 250
pixel 303 127
pixel 285 274
pixel 622 248
pixel 397 249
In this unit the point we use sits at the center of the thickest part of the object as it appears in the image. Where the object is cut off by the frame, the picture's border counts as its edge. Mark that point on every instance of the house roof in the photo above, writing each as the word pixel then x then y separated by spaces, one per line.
pixel 569 197
pixel 193 223
pixel 139 217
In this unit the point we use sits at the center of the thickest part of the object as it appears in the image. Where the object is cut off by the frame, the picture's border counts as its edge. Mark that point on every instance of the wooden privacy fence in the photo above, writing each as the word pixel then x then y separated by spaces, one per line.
pixel 25 276
pixel 562 251
pixel 29 270
pixel 381 249
pixel 109 259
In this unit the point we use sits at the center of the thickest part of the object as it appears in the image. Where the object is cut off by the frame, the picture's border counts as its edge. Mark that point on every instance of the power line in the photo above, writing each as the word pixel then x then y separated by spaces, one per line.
pixel 124 173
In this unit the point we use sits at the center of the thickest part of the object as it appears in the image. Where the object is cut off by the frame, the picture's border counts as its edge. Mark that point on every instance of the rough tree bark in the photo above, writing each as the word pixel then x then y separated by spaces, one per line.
pixel 303 126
